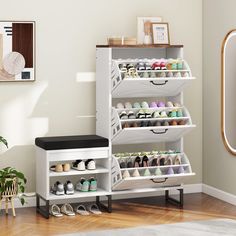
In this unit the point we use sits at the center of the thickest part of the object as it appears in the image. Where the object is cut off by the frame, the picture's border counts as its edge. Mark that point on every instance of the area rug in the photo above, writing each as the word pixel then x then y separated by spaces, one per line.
pixel 222 227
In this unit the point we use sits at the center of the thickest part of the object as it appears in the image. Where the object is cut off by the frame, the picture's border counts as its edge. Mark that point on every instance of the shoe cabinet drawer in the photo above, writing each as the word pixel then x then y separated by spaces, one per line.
pixel 74 154
pixel 151 182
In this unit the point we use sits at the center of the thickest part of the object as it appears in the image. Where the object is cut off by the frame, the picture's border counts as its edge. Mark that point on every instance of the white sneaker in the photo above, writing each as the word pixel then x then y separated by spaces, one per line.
pixel 78 165
pixel 90 164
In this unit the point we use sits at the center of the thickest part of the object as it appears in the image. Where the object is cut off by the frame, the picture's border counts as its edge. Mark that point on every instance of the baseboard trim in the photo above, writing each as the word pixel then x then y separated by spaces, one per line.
pixel 219 194
pixel 188 188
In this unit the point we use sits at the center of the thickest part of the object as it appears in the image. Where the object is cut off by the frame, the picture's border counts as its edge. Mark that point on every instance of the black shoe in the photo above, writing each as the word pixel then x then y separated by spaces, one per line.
pixel 145 161
pixel 137 162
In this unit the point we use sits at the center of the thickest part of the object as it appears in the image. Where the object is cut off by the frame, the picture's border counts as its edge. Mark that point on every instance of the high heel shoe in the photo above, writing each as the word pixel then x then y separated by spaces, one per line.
pixel 145 161
pixel 137 161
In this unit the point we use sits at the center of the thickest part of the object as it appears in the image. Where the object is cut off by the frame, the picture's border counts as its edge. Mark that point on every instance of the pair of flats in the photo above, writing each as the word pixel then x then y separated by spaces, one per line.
pixel 143 66
pixel 60 167
pixel 142 114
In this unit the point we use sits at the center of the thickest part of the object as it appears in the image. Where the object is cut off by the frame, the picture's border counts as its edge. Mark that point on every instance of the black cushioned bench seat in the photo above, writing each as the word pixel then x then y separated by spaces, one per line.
pixel 70 142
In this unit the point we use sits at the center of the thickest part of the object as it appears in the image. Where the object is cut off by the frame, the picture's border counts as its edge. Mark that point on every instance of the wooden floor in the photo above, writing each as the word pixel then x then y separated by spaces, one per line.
pixel 128 213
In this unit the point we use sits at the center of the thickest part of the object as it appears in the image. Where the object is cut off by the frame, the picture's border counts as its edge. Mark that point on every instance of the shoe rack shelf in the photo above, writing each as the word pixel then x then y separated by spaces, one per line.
pixel 114 85
pixel 152 180
pixel 151 133
pixel 148 87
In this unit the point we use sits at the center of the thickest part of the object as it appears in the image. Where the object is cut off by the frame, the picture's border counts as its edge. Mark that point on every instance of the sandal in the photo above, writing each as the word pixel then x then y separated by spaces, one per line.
pixel 55 210
pixel 67 209
pixel 81 210
pixel 94 209
pixel 177 160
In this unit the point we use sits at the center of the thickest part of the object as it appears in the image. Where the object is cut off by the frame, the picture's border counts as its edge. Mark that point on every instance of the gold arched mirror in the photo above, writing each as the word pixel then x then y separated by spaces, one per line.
pixel 228 91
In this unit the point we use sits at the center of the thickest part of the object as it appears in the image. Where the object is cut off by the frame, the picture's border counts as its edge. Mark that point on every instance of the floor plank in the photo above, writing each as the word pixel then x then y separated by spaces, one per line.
pixel 126 213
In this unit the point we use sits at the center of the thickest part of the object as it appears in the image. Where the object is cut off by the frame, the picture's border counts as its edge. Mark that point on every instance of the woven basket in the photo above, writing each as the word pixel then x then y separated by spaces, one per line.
pixel 10 191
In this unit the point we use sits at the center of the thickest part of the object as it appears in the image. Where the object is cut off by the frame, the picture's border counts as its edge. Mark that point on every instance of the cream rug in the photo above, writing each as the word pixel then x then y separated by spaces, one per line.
pixel 218 227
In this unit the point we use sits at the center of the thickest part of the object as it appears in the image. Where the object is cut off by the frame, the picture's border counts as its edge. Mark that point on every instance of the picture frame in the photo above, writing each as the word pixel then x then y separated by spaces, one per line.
pixel 160 33
pixel 17 51
pixel 143 24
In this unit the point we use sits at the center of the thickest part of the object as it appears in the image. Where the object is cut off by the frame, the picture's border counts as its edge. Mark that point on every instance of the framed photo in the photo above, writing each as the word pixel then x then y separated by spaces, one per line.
pixel 144 31
pixel 17 51
pixel 160 33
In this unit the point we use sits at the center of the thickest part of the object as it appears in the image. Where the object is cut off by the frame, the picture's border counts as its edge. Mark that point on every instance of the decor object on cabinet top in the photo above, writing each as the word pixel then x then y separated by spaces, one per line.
pixel 144 31
pixel 17 51
pixel 160 33
pixel 121 40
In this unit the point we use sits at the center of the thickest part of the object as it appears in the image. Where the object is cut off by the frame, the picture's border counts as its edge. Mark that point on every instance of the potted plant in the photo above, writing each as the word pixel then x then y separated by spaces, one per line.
pixel 12 182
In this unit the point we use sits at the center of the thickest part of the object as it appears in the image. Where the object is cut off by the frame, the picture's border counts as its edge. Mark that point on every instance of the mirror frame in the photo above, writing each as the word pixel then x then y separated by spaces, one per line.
pixel 225 140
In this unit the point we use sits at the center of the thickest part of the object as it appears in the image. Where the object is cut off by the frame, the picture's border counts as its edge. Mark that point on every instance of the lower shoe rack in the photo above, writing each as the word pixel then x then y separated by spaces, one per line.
pixel 166 175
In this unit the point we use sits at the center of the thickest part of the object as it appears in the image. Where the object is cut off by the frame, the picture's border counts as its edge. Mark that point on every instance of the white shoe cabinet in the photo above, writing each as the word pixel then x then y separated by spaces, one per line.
pixel 113 87
pixel 60 150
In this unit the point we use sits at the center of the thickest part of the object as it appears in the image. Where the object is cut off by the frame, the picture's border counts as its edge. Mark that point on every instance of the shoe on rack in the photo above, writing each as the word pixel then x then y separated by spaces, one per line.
pixel 125 125
pixel 144 124
pixel 82 185
pixel 130 163
pixel 55 210
pixel 153 105
pixel 179 113
pixel 146 172
pixel 160 104
pixel 135 173
pixel 140 114
pixel 66 167
pixel 136 105
pixel 128 105
pixel 156 65
pixel 165 123
pixel 134 125
pixel 154 162
pixel 120 106
pixel 144 105
pixel 123 115
pixel 180 170
pixel 78 165
pixel 148 66
pixel 173 113
pixel 158 171
pixel 69 188
pixel 163 114
pixel 145 161
pixel 177 160
pixel 137 162
pixel 170 171
pixel 125 174
pixel 58 188
pixel 158 123
pixel 140 66
pixel 93 184
pixel 90 164
pixel 67 209
pixel 156 114
pixel 131 115
pixel 173 122
pixel 148 114
pixel 57 168
pixel 163 65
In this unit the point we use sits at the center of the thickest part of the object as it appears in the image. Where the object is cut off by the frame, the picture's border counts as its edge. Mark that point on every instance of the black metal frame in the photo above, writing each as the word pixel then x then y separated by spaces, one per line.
pixel 180 202
pixel 108 208
pixel 44 210
pixel 40 209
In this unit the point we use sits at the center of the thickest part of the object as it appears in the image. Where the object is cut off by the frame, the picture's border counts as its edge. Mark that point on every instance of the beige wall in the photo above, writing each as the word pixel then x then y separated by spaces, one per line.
pixel 219 166
pixel 67 32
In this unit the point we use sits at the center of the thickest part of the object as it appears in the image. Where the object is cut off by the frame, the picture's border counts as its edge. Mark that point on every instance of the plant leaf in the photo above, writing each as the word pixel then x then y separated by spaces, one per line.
pixel 4 141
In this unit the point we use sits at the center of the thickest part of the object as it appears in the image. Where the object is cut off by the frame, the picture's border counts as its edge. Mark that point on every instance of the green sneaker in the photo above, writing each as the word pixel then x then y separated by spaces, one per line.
pixel 93 185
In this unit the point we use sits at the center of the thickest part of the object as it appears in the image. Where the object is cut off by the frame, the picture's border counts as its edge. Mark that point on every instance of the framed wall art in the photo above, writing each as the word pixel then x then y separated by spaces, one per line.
pixel 144 31
pixel 17 51
pixel 160 33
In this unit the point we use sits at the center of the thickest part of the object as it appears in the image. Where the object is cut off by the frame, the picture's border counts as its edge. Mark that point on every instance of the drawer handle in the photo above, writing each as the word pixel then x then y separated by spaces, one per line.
pixel 162 132
pixel 158 84
pixel 159 182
